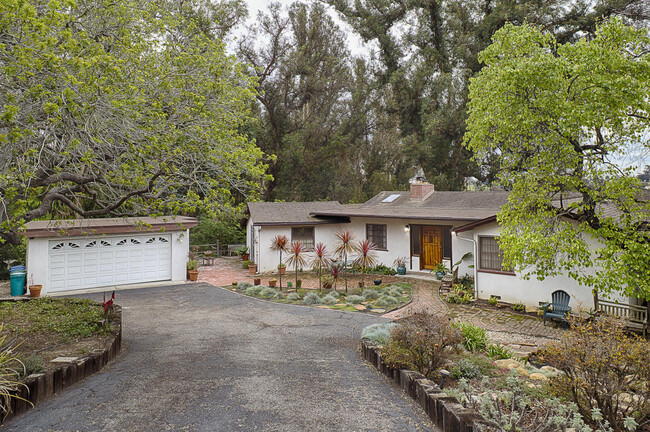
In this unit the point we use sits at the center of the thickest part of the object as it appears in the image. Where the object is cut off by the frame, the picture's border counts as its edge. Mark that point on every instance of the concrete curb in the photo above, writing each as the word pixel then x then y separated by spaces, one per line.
pixel 443 410
pixel 41 387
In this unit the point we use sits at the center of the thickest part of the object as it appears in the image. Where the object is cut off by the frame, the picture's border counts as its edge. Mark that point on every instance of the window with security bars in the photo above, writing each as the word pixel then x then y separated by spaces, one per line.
pixel 305 235
pixel 377 235
pixel 491 256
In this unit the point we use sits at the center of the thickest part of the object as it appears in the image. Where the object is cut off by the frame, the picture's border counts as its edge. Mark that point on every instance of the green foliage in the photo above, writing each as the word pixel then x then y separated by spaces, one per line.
pixel 556 117
pixel 465 369
pixel 605 369
pixel 329 300
pixel 459 295
pixel 384 270
pixel 294 297
pixel 225 228
pixel 355 299
pixel 104 111
pixel 493 301
pixel 392 291
pixel 289 284
pixel 474 337
pixel 68 318
pixel 246 263
pixel 10 251
pixel 420 342
pixel 269 293
pixel 192 264
pixel 379 334
pixel 370 294
pixel 519 307
pixel 244 285
pixel 498 352
pixel 11 368
pixel 311 299
pixel 254 290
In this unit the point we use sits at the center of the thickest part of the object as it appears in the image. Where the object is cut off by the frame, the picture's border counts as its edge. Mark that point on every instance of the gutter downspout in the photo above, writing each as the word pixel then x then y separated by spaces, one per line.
pixel 475 247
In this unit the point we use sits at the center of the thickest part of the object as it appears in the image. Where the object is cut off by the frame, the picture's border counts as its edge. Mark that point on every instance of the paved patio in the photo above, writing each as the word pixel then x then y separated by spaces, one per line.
pixel 523 334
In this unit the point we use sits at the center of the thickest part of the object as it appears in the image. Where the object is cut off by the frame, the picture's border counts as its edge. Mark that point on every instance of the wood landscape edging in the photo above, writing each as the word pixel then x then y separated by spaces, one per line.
pixel 443 410
pixel 43 386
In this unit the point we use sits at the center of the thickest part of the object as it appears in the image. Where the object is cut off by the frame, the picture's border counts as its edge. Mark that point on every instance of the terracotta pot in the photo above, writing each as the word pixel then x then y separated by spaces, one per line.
pixel 252 269
pixel 35 290
pixel 282 270
pixel 257 281
pixel 327 285
pixel 192 275
pixel 244 257
pixel 272 283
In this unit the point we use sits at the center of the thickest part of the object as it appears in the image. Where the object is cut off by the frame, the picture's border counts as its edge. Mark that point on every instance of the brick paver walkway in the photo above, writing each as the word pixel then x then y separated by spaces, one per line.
pixel 521 333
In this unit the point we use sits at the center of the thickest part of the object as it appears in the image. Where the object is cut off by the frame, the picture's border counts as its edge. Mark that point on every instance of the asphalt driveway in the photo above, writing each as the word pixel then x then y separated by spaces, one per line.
pixel 200 358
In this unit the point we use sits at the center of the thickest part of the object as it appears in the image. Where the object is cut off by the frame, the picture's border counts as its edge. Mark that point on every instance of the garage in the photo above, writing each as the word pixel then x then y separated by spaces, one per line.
pixel 95 253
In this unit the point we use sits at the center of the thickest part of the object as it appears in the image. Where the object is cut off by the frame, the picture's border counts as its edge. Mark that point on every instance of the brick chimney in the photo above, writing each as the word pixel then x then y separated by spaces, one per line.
pixel 421 189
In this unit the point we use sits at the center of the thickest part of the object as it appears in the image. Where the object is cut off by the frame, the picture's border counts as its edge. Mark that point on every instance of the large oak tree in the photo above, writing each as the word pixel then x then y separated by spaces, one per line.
pixel 119 108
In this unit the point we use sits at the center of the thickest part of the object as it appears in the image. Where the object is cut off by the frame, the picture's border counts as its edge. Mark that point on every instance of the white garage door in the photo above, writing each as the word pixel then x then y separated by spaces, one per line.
pixel 105 261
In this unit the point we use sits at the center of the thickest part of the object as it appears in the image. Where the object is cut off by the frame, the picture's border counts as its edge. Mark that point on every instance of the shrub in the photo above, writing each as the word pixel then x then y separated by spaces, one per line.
pixel 498 352
pixel 519 307
pixel 511 409
pixel 604 369
pixel 386 301
pixel 382 269
pixel 33 364
pixel 355 299
pixel 245 264
pixel 269 293
pixel 493 301
pixel 329 300
pixel 294 296
pixel 421 342
pixel 254 290
pixel 379 334
pixel 311 299
pixel 244 285
pixel 460 296
pixel 474 337
pixel 392 291
pixel 370 294
pixel 466 369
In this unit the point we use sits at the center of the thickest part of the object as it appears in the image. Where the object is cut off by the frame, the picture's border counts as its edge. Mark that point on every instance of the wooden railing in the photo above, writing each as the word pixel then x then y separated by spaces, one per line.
pixel 636 316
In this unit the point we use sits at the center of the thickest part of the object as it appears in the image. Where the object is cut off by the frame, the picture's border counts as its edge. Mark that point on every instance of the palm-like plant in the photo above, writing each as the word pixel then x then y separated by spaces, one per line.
pixel 345 247
pixel 297 257
pixel 320 261
pixel 366 258
pixel 280 243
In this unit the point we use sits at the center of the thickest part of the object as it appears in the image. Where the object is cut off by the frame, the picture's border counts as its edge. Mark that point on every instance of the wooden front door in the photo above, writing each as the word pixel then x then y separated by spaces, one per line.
pixel 431 247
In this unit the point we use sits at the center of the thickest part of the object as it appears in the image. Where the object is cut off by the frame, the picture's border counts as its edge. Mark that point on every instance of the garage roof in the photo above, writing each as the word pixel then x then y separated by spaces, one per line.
pixel 83 227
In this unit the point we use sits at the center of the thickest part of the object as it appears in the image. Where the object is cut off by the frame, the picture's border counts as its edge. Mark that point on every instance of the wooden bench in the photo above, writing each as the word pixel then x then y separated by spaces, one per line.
pixel 636 317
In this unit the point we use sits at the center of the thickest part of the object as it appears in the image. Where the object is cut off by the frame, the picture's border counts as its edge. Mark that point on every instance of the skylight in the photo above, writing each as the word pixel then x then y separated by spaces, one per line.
pixel 390 198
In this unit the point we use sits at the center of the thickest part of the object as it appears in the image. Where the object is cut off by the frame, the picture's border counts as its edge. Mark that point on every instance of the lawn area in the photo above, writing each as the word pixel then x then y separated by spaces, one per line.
pixel 378 299
pixel 42 329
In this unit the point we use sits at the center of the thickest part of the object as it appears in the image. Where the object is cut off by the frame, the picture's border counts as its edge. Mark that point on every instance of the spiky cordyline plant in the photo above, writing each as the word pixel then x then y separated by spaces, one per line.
pixel 280 243
pixel 319 261
pixel 297 257
pixel 344 247
pixel 335 271
pixel 366 258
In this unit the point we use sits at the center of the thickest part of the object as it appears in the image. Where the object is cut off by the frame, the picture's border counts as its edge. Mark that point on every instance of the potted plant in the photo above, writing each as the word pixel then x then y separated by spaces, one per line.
pixel 272 282
pixel 34 290
pixel 400 265
pixel 257 281
pixel 299 283
pixel 440 270
pixel 246 263
pixel 280 243
pixel 282 268
pixel 242 251
pixel 192 272
pixel 377 281
pixel 252 268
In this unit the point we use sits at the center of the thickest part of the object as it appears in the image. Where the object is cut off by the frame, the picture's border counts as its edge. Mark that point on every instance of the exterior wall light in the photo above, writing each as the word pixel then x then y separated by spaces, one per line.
pixel 407 228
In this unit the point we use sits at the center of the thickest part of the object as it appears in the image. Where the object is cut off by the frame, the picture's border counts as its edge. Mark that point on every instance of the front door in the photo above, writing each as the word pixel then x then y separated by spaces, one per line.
pixel 431 247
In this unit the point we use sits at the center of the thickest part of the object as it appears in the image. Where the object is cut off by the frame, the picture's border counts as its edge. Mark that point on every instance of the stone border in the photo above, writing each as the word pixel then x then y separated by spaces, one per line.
pixel 443 410
pixel 43 386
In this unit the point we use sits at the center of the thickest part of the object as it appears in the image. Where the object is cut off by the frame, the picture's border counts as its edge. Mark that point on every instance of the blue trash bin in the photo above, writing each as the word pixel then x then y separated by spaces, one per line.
pixel 17 283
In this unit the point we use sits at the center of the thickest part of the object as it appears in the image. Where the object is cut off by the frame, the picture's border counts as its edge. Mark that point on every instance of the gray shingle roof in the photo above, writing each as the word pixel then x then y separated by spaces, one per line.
pixel 289 213
pixel 456 205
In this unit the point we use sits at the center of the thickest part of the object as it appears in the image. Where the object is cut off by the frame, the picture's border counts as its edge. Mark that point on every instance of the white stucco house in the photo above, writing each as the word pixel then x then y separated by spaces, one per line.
pixel 424 226
pixel 72 255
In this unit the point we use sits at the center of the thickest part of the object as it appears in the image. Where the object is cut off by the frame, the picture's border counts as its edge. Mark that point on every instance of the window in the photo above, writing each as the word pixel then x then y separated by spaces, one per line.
pixel 305 235
pixel 377 234
pixel 491 257
pixel 446 242
pixel 415 240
